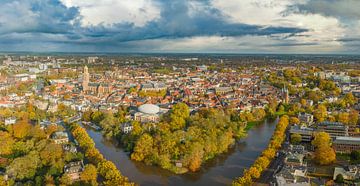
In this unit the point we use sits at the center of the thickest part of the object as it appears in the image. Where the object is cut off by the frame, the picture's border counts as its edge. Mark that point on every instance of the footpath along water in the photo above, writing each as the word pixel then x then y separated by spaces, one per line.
pixel 218 171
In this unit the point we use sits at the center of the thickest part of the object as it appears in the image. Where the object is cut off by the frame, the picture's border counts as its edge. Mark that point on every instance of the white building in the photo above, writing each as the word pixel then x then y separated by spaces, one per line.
pixel 149 113
pixel 10 121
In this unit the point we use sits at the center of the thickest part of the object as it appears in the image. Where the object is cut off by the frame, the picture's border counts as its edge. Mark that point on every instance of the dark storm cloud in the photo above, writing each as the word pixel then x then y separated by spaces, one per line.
pixel 343 9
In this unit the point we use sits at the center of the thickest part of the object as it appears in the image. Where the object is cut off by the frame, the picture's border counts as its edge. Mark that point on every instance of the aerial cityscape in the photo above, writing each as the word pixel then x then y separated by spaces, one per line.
pixel 182 92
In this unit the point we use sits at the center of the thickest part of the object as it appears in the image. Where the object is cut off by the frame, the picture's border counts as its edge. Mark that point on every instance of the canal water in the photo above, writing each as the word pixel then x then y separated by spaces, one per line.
pixel 218 171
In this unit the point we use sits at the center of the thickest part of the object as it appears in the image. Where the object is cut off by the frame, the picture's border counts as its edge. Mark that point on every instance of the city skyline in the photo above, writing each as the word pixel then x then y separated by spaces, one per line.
pixel 181 26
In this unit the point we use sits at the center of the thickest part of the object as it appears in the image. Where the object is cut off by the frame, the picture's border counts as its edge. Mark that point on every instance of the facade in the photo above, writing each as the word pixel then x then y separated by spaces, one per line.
pixel 86 79
pixel 306 118
pixel 148 113
pixel 155 86
pixel 60 137
pixel 126 127
pixel 74 169
pixel 292 175
pixel 305 132
pixel 350 172
pixel 346 144
pixel 334 129
pixel 10 121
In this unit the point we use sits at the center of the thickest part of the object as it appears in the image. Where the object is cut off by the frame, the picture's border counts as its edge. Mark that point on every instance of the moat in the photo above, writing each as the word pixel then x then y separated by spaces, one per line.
pixel 218 171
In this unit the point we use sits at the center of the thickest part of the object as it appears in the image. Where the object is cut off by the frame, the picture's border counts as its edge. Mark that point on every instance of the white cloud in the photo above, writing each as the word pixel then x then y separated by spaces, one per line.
pixel 105 12
pixel 322 29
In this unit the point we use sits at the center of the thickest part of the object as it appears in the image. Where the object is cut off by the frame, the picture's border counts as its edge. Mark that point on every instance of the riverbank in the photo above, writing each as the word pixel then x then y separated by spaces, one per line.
pixel 267 156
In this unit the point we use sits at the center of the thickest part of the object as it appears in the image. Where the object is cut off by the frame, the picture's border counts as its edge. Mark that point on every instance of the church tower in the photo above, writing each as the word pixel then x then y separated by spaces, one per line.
pixel 285 95
pixel 86 79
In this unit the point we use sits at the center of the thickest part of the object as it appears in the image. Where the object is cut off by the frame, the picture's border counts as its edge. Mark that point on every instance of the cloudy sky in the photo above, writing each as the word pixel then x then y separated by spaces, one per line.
pixel 228 26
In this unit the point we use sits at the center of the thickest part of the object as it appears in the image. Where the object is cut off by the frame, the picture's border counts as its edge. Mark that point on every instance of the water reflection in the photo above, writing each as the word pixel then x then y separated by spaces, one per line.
pixel 218 171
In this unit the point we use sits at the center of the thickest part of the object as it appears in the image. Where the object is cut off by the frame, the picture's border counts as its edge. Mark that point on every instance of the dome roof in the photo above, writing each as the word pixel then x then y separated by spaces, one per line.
pixel 149 109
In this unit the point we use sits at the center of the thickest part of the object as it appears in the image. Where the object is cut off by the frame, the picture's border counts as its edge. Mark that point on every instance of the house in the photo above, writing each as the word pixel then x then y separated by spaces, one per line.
pixel 306 118
pixel 69 148
pixel 334 129
pixel 346 144
pixel 350 172
pixel 74 169
pixel 10 121
pixel 126 127
pixel 294 159
pixel 305 132
pixel 60 137
pixel 292 176
pixel 45 124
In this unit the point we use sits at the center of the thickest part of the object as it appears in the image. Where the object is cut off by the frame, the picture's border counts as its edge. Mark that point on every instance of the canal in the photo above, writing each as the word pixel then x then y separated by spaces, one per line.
pixel 218 171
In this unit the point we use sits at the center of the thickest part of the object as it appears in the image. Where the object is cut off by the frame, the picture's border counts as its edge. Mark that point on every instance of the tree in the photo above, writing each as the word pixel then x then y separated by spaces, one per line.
pixel 259 114
pixel 350 99
pixel 321 139
pixel 143 147
pixel 353 117
pixel 21 129
pixel 324 155
pixel 97 116
pixel 89 175
pixel 295 138
pixel 65 180
pixel 6 143
pixel 24 167
pixel 51 153
pixel 178 115
pixel 281 108
pixel 343 117
pixel 87 115
pixel 194 158
pixel 294 120
pixel 320 113
pixel 112 176
pixel 254 172
pixel 339 178
pixel 355 155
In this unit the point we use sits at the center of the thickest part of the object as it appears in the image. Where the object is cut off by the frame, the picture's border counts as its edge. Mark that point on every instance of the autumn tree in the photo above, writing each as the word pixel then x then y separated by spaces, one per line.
pixel 259 114
pixel 353 117
pixel 21 129
pixel 6 143
pixel 321 139
pixel 51 153
pixel 178 115
pixel 324 155
pixel 343 117
pixel 142 148
pixel 294 120
pixel 320 113
pixel 350 99
pixel 24 167
pixel 89 175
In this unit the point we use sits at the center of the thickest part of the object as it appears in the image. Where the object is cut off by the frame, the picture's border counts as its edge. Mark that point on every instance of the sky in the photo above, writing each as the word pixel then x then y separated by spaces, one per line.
pixel 181 26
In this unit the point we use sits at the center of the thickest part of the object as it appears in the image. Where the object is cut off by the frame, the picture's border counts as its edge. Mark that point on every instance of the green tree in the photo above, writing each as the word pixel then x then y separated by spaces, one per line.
pixel 97 116
pixel 339 178
pixel 142 148
pixel 295 138
pixel 24 167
